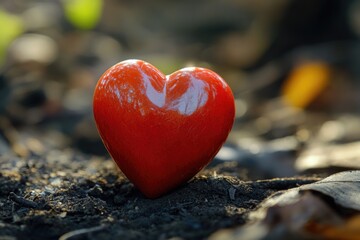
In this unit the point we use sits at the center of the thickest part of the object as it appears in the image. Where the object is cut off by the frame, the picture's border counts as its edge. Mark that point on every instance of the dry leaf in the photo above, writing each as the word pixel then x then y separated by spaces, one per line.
pixel 305 83
pixel 300 213
pixel 343 187
pixel 348 231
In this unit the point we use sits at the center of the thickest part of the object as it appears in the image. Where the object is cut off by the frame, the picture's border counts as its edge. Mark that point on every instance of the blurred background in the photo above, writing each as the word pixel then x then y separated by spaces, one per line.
pixel 293 66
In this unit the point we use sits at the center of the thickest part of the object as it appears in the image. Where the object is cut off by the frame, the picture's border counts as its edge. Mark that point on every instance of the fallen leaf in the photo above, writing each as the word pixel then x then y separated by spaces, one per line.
pixel 302 213
pixel 343 187
pixel 305 83
pixel 348 231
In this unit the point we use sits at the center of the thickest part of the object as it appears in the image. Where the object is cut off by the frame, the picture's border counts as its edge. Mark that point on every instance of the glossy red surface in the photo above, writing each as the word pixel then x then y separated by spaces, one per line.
pixel 162 130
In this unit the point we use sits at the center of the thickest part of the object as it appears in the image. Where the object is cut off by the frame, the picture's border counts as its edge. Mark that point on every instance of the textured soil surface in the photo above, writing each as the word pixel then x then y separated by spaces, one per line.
pixel 69 195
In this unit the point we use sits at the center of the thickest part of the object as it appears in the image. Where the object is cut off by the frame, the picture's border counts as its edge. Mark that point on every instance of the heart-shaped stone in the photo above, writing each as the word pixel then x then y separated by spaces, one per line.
pixel 162 130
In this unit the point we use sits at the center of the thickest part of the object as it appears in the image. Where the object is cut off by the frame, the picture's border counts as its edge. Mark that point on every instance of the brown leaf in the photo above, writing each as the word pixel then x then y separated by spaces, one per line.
pixel 302 213
pixel 348 231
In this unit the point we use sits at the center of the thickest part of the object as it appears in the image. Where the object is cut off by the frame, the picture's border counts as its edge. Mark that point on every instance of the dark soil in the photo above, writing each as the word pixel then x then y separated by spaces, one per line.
pixel 69 195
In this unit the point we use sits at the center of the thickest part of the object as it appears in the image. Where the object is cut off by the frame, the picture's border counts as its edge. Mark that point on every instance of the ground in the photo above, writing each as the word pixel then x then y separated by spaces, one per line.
pixel 69 195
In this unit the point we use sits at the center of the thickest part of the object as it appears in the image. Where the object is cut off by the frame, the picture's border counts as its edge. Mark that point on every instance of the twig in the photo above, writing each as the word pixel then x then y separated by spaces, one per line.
pixel 77 232
pixel 22 201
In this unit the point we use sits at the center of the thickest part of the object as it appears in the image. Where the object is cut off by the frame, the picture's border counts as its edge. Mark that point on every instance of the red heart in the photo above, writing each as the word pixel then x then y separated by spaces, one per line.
pixel 162 130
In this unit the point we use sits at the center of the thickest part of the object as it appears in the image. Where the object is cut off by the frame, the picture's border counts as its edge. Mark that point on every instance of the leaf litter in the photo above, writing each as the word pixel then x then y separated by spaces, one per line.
pixel 328 208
